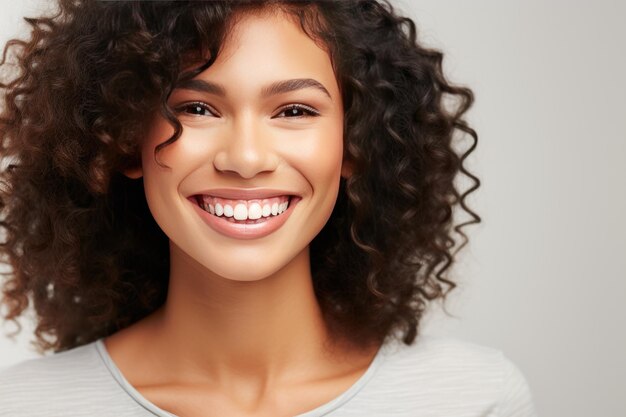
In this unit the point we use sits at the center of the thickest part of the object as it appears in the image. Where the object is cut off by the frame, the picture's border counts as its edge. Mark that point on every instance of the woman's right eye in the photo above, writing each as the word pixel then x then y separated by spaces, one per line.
pixel 196 109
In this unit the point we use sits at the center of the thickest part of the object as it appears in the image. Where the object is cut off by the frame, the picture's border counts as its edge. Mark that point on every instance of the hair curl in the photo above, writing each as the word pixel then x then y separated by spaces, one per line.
pixel 78 236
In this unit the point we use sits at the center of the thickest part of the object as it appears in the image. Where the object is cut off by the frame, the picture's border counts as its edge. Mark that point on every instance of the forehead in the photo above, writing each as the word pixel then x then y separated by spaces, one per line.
pixel 296 16
pixel 264 47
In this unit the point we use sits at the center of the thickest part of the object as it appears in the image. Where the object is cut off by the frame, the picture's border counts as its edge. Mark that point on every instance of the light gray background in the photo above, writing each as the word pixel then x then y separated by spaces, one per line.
pixel 544 277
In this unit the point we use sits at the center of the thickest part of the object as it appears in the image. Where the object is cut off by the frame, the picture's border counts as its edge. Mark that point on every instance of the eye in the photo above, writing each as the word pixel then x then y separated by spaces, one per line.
pixel 196 109
pixel 297 111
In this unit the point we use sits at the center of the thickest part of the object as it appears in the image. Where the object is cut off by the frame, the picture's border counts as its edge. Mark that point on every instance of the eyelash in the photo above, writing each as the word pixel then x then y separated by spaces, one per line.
pixel 196 105
pixel 310 112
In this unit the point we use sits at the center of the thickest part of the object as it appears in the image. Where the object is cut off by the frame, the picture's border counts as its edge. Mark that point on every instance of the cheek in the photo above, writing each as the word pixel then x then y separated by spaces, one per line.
pixel 166 169
pixel 319 154
pixel 319 161
pixel 171 154
pixel 329 152
pixel 161 178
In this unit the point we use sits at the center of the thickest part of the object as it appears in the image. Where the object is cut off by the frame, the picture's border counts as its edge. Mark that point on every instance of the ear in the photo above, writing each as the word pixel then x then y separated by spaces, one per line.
pixel 346 168
pixel 133 173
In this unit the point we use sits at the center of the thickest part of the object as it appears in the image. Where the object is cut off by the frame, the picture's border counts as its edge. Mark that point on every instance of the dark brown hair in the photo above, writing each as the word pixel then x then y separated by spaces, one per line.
pixel 78 236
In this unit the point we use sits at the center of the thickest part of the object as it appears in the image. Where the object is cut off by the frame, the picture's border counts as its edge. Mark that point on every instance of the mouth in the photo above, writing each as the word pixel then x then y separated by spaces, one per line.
pixel 249 211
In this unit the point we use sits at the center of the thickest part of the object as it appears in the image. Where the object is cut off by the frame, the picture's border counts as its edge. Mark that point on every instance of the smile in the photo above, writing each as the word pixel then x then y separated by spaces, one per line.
pixel 248 211
pixel 244 219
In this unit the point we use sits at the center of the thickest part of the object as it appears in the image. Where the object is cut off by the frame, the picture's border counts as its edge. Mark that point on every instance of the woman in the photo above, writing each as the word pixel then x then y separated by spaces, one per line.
pixel 236 209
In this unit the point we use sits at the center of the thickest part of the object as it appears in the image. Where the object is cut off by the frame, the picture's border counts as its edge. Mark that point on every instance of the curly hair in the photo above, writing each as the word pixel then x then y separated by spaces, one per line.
pixel 77 235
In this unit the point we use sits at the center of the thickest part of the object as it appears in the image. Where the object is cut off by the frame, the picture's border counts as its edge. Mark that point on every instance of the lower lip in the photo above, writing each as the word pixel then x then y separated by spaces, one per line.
pixel 245 230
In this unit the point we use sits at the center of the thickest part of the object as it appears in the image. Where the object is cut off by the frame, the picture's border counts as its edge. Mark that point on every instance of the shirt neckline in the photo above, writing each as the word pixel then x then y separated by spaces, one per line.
pixel 319 411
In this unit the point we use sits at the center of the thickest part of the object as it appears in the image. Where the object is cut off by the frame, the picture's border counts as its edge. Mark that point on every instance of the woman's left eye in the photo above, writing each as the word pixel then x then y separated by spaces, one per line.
pixel 297 111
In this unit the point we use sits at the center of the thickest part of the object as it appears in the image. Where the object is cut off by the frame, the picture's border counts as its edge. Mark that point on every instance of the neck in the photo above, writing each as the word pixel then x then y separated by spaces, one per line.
pixel 264 330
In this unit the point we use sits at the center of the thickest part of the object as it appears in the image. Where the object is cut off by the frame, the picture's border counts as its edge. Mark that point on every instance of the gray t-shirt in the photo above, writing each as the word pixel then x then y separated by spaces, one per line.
pixel 434 377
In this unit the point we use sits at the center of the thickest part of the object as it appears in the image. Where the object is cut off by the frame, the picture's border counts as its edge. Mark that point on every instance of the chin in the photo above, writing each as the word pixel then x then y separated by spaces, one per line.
pixel 245 272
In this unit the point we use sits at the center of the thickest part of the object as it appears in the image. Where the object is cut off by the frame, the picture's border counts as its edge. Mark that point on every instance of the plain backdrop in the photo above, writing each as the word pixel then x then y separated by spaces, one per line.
pixel 543 278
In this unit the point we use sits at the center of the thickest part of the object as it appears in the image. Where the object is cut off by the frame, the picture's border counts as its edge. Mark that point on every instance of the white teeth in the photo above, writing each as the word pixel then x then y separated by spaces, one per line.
pixel 240 212
pixel 255 211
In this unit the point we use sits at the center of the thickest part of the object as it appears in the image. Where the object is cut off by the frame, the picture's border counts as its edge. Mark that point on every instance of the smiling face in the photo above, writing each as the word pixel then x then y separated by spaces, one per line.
pixel 262 129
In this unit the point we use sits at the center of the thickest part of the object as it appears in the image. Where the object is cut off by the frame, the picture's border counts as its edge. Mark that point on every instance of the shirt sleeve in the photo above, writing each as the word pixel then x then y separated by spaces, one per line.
pixel 516 399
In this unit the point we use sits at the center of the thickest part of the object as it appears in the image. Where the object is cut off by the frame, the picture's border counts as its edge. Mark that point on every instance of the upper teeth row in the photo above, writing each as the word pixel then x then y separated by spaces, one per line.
pixel 242 212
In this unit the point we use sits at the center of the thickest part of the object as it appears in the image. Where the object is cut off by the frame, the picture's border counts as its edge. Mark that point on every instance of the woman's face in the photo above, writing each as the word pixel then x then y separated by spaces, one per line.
pixel 262 125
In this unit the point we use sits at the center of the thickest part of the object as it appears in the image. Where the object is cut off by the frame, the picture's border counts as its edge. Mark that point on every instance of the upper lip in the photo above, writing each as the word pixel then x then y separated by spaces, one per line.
pixel 245 193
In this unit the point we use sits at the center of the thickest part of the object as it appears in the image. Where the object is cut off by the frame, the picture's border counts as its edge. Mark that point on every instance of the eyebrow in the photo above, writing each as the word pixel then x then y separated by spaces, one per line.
pixel 278 87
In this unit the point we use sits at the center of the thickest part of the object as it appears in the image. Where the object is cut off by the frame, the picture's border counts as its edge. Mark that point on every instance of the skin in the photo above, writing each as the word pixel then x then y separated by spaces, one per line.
pixel 241 332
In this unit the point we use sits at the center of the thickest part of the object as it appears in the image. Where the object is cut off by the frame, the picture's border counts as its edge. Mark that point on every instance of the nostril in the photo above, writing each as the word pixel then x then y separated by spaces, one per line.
pixel 245 161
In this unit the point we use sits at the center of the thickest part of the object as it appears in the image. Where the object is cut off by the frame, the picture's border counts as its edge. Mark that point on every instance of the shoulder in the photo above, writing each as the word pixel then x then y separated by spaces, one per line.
pixel 45 373
pixel 444 355
pixel 447 373
pixel 70 383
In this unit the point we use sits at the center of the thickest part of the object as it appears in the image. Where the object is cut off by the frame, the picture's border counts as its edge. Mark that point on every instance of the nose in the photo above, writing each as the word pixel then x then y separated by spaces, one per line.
pixel 247 151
